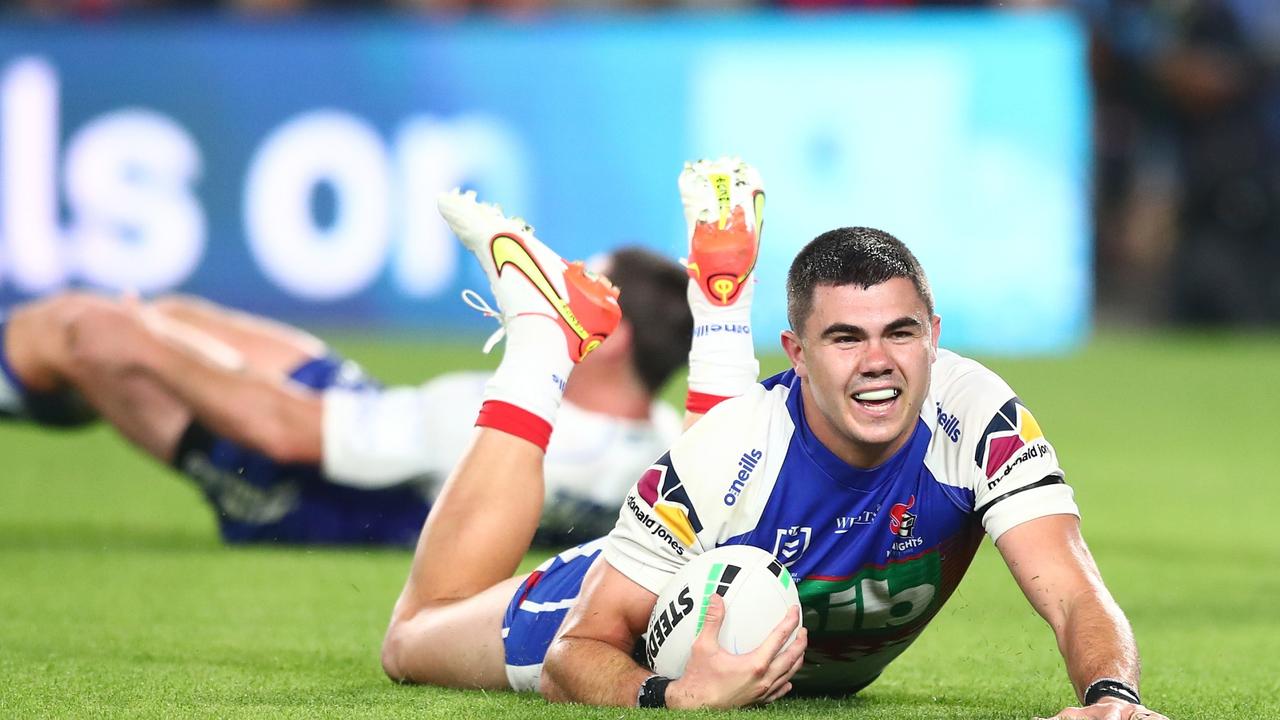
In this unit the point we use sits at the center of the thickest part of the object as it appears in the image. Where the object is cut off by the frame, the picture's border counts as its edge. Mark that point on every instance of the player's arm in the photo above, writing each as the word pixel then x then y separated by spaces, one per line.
pixel 270 415
pixel 590 662
pixel 1053 567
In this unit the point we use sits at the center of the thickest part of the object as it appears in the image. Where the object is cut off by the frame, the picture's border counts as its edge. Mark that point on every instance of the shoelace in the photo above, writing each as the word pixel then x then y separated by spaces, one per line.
pixel 477 302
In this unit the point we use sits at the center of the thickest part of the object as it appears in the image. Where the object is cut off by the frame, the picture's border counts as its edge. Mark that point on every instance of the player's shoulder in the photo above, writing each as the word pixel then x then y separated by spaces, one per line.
pixel 964 395
pixel 970 406
pixel 750 415
pixel 966 383
pixel 753 425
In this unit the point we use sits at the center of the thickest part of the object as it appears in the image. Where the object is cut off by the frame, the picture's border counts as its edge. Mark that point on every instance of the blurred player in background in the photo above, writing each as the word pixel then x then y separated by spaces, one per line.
pixel 291 443
pixel 871 470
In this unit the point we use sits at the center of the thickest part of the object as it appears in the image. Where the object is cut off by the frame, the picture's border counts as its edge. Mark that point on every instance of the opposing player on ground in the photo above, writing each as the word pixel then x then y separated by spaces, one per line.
pixel 871 470
pixel 291 443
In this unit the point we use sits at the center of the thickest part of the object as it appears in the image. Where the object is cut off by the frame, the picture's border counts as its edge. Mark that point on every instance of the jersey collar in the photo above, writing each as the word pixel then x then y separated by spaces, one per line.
pixel 910 454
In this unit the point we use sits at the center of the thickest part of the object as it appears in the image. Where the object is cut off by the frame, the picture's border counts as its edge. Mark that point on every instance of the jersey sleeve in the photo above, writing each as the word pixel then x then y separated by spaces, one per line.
pixel 674 512
pixel 1002 454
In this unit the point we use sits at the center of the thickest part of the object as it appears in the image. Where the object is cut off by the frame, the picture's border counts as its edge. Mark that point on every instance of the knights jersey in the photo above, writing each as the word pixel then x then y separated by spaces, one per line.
pixel 875 552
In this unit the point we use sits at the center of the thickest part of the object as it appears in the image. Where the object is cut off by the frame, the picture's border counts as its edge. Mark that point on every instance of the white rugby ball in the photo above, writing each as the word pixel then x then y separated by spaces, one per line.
pixel 757 592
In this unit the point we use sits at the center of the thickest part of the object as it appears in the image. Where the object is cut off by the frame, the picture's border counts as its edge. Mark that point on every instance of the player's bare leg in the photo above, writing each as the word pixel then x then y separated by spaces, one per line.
pixel 268 346
pixel 35 339
pixel 43 342
pixel 212 381
pixel 724 211
pixel 446 626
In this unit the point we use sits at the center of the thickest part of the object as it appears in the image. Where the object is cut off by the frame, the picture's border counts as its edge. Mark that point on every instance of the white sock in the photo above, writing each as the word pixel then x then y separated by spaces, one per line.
pixel 722 358
pixel 535 366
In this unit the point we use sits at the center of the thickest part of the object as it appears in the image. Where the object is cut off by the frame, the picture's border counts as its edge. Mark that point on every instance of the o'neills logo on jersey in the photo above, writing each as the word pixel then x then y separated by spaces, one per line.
pixel 746 464
pixel 661 488
pixel 948 424
pixel 666 622
pixel 731 328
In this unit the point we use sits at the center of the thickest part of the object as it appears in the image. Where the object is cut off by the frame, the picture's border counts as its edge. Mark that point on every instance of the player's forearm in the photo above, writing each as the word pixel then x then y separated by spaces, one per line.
pixel 591 672
pixel 1097 642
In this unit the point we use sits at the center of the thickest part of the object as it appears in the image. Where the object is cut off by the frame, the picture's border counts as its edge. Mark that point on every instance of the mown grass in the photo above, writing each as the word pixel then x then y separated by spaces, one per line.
pixel 118 600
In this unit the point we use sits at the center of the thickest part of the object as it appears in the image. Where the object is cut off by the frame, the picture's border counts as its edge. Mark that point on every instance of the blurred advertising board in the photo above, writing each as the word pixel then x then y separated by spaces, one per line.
pixel 291 168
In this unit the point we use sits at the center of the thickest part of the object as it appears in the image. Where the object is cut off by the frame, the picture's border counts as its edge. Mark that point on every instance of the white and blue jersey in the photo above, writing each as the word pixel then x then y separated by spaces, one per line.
pixel 875 552
pixel 260 500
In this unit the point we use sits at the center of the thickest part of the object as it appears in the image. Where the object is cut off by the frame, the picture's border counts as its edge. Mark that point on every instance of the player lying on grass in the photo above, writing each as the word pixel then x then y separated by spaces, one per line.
pixel 290 443
pixel 871 470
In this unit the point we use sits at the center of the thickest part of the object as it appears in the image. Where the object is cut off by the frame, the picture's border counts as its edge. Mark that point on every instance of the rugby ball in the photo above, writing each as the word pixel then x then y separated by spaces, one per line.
pixel 757 592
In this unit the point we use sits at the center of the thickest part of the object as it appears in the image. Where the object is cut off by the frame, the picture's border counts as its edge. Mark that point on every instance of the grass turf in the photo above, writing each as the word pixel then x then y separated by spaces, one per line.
pixel 117 598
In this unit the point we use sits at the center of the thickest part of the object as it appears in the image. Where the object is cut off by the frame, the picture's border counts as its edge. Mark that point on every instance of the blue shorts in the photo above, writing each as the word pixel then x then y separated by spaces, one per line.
pixel 538 607
pixel 260 500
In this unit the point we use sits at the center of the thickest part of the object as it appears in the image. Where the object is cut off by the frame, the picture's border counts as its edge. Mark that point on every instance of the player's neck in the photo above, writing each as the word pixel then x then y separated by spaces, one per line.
pixel 609 390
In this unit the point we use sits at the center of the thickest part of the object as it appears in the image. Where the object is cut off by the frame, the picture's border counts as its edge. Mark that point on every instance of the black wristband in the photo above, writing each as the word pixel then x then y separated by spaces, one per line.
pixel 653 692
pixel 1110 687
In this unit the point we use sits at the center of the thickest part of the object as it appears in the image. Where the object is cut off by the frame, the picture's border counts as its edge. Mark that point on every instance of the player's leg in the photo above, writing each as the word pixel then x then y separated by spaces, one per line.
pixel 446 627
pixel 724 210
pixel 266 345
pixel 33 361
pixel 53 384
pixel 135 403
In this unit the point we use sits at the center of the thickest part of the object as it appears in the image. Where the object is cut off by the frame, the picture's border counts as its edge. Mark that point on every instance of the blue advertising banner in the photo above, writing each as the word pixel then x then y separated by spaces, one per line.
pixel 291 169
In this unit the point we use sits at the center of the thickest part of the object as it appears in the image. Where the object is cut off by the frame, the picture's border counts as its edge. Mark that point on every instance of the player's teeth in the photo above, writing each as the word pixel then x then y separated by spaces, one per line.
pixel 876 395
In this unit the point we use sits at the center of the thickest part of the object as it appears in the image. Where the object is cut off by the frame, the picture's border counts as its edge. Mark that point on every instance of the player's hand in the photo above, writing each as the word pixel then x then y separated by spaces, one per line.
pixel 716 678
pixel 1109 709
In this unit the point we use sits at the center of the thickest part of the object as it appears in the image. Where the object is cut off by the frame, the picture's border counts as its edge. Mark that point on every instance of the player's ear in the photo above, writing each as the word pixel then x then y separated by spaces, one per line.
pixel 795 353
pixel 935 327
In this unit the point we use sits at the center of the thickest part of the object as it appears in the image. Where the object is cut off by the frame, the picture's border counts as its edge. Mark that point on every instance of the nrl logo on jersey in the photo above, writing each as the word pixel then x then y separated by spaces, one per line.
pixel 791 543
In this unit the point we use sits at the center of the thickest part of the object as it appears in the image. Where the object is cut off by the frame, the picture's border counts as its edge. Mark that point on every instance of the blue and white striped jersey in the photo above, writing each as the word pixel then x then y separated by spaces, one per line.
pixel 875 552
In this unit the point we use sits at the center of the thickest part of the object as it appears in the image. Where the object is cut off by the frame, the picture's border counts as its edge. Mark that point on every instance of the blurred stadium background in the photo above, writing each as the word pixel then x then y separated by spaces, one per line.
pixel 1093 185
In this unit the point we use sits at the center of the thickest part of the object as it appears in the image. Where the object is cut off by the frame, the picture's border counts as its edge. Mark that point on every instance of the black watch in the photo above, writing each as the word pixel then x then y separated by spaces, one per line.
pixel 1110 687
pixel 653 692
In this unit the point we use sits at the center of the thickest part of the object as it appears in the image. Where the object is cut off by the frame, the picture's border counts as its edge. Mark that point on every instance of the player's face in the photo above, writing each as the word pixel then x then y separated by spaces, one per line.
pixel 864 356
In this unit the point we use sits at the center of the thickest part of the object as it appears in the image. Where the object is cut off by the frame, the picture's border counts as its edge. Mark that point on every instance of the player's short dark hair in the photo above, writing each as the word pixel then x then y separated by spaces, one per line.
pixel 652 296
pixel 858 256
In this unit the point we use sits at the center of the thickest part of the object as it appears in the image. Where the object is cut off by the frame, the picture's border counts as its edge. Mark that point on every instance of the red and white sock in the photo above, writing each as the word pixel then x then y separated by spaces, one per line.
pixel 524 394
pixel 722 358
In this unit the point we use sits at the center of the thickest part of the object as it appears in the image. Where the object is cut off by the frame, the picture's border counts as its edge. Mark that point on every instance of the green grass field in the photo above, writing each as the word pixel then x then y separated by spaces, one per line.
pixel 118 600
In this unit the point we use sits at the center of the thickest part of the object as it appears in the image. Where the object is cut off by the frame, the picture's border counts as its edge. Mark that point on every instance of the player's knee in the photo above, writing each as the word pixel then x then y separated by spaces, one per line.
pixel 393 653
pixel 57 313
pixel 95 332
pixel 178 306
